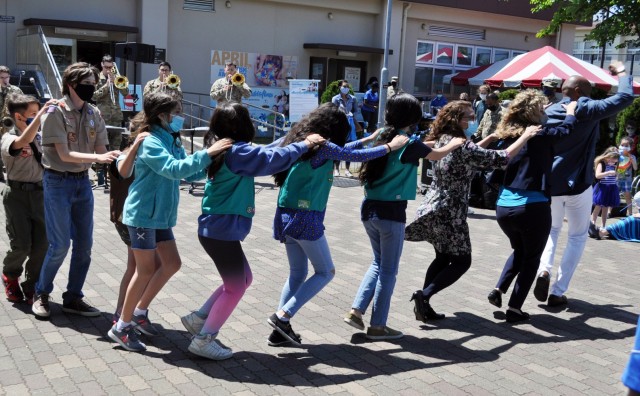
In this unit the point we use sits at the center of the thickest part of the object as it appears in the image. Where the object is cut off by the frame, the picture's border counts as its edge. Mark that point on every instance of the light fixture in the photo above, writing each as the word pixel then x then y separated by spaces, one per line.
pixel 424 26
pixel 526 38
pixel 348 54
pixel 330 15
pixel 227 4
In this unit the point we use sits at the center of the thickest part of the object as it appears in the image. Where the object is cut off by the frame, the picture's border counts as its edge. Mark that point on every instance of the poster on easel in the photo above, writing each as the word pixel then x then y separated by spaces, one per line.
pixel 303 98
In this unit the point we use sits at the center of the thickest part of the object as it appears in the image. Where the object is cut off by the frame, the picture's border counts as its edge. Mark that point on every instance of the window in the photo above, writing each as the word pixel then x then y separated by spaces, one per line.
pixel 464 55
pixel 444 54
pixel 424 53
pixel 483 56
pixel 423 80
pixel 500 54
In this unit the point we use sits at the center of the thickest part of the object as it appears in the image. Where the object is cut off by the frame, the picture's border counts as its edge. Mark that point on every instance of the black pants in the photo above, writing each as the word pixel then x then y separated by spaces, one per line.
pixel 527 228
pixel 444 271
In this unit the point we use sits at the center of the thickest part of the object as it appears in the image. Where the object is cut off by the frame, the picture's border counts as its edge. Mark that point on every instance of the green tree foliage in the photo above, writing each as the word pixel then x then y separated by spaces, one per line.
pixel 631 113
pixel 509 94
pixel 612 18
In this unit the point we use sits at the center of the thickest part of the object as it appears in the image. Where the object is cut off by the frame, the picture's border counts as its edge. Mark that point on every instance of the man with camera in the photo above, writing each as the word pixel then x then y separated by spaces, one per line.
pixel 225 89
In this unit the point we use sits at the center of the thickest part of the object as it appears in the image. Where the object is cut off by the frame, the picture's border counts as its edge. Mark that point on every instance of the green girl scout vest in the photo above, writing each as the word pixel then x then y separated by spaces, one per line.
pixel 229 194
pixel 307 188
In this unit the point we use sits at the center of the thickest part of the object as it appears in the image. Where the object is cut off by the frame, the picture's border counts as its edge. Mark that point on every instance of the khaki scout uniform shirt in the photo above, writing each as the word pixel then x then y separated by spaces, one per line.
pixel 233 94
pixel 21 164
pixel 156 86
pixel 111 112
pixel 82 130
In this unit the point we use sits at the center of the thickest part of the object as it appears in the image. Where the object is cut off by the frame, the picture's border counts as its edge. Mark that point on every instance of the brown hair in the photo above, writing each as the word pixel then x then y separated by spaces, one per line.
pixel 4 69
pixel 448 120
pixel 154 105
pixel 75 73
pixel 17 103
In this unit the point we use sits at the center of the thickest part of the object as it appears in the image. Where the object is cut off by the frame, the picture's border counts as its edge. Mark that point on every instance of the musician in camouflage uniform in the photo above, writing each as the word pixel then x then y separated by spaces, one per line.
pixel 5 90
pixel 223 90
pixel 159 85
pixel 109 105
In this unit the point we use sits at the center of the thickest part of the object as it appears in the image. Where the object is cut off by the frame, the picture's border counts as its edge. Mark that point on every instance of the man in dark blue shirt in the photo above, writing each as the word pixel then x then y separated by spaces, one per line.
pixel 572 176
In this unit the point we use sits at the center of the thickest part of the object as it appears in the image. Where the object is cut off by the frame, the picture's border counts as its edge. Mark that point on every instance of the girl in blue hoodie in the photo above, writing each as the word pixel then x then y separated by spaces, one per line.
pixel 151 210
pixel 228 207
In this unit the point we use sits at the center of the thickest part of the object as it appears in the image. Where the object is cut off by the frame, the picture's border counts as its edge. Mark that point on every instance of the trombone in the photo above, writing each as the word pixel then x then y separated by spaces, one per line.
pixel 236 80
pixel 120 82
pixel 172 81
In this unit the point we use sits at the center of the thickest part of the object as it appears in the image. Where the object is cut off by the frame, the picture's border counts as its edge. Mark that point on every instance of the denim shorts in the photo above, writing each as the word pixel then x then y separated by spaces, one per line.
pixel 624 184
pixel 147 238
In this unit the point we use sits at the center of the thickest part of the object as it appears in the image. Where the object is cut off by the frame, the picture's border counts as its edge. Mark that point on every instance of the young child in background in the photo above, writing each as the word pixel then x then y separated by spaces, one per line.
pixel 627 167
pixel 605 192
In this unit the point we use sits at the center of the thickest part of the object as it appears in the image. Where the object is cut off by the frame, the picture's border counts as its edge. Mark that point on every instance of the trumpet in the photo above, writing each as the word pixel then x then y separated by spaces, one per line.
pixel 172 81
pixel 237 79
pixel 120 82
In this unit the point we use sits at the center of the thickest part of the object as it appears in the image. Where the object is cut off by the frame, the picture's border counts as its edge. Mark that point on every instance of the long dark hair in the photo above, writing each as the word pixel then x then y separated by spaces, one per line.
pixel 328 121
pixel 403 110
pixel 154 105
pixel 229 120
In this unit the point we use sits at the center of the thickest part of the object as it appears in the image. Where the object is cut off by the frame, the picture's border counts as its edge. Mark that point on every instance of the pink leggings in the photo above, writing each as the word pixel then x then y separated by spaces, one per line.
pixel 236 277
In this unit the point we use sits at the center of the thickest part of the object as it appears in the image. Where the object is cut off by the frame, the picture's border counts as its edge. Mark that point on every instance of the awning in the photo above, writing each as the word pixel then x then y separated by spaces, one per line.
pixel 80 25
pixel 348 48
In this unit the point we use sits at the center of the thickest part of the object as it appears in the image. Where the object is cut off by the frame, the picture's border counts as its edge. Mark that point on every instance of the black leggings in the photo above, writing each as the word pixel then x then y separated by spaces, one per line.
pixel 444 271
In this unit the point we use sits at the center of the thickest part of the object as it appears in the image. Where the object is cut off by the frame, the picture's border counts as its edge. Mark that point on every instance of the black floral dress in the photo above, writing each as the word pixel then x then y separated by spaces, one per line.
pixel 441 218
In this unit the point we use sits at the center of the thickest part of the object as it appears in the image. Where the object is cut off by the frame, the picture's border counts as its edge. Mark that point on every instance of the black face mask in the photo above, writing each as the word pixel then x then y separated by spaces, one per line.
pixel 85 91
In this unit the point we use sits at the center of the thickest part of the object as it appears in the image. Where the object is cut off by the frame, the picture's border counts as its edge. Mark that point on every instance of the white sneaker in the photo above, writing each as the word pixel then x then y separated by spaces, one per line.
pixel 347 173
pixel 193 323
pixel 336 172
pixel 206 346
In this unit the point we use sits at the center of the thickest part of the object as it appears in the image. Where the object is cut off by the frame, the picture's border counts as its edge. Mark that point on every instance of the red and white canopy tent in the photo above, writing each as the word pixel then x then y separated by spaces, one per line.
pixel 528 70
pixel 475 76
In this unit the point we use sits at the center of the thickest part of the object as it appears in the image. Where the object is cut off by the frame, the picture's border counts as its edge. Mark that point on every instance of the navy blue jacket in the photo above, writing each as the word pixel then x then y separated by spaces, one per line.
pixel 572 171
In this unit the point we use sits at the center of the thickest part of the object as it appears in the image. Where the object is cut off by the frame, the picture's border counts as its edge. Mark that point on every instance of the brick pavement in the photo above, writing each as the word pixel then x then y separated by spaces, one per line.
pixel 578 350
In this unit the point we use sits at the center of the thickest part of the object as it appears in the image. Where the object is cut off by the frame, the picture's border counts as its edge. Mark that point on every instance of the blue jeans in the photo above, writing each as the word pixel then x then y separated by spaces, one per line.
pixel 296 291
pixel 68 213
pixel 387 238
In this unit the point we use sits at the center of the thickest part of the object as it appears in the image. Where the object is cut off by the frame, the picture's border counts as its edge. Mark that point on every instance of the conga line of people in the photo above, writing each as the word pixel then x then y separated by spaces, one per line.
pixel 147 174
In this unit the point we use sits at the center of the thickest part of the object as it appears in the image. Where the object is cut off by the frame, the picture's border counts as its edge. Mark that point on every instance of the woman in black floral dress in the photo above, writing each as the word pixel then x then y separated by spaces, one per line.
pixel 441 219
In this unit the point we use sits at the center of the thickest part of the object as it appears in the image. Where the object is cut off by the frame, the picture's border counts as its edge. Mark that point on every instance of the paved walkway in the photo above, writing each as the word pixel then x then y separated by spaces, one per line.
pixel 581 349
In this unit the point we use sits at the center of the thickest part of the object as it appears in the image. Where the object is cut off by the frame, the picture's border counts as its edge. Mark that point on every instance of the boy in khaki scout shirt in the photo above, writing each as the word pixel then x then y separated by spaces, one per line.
pixel 23 198
pixel 73 137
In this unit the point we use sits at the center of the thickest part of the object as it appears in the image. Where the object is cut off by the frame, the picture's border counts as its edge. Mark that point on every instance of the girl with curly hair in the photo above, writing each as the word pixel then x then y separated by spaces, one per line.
pixel 389 182
pixel 442 216
pixel 523 208
pixel 302 201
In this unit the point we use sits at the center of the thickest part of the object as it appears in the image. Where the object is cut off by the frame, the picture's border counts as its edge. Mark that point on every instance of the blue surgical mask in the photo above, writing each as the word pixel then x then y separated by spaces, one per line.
pixel 439 95
pixel 176 123
pixel 471 129
pixel 29 120
pixel 344 90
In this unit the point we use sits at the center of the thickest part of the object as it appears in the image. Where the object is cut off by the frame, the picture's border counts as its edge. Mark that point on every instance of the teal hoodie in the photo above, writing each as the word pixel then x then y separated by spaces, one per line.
pixel 160 165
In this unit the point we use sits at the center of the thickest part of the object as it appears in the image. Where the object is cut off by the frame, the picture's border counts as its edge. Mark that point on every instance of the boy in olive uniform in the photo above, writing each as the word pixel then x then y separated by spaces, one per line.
pixel 73 137
pixel 23 198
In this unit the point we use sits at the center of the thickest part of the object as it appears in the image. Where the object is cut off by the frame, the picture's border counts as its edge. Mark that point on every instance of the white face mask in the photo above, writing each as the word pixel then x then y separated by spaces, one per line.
pixel 483 96
pixel 344 90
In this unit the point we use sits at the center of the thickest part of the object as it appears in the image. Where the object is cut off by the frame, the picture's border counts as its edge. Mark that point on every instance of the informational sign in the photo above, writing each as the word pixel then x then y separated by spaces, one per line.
pixel 260 70
pixel 352 74
pixel 303 98
pixel 127 102
pixel 7 19
pixel 160 55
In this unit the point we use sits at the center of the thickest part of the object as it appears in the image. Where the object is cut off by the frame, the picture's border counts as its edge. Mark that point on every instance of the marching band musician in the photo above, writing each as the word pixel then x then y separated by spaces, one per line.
pixel 160 85
pixel 107 98
pixel 224 90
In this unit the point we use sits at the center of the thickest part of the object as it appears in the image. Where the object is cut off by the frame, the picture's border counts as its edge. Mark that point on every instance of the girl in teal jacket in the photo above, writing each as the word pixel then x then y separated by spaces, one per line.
pixel 150 212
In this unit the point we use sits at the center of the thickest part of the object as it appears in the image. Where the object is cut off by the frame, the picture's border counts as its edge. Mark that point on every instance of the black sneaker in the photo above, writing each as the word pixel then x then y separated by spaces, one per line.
pixel 285 329
pixel 80 307
pixel 541 290
pixel 276 339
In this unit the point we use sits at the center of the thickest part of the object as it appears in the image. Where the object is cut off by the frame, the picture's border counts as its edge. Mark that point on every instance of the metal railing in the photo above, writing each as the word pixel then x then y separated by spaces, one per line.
pixel 33 53
pixel 198 114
